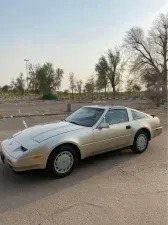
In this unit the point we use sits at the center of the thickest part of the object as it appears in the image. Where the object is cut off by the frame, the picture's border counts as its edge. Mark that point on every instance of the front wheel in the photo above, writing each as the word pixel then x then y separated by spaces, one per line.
pixel 62 161
pixel 141 142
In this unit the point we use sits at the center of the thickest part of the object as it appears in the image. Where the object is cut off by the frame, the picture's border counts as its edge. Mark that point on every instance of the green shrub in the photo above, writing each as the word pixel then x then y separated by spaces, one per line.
pixel 50 96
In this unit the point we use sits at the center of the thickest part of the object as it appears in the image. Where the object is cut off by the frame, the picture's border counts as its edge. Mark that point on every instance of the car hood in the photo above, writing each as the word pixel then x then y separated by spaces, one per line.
pixel 42 132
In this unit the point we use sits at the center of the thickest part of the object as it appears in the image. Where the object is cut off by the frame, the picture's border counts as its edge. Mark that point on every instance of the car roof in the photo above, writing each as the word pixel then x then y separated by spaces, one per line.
pixel 106 107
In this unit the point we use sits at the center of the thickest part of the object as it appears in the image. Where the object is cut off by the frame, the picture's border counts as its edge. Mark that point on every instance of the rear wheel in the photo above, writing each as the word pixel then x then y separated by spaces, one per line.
pixel 141 142
pixel 62 161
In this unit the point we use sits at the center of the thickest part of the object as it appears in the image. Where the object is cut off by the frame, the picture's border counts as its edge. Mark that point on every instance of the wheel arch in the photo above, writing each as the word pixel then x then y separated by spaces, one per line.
pixel 147 130
pixel 75 146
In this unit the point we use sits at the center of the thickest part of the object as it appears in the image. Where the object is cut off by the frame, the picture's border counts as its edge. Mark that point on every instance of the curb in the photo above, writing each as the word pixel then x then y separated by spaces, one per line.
pixel 34 115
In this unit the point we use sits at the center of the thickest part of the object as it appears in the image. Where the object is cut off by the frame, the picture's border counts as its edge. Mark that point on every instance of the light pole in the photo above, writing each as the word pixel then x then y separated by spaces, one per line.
pixel 26 60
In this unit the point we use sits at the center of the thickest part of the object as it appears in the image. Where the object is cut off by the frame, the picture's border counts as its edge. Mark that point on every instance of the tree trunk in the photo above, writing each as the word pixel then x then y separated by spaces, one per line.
pixel 164 92
pixel 72 94
pixel 92 96
pixel 114 91
pixel 164 86
pixel 105 91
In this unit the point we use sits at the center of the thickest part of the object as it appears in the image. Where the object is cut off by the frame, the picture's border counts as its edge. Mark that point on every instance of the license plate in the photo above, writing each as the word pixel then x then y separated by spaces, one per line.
pixel 2 157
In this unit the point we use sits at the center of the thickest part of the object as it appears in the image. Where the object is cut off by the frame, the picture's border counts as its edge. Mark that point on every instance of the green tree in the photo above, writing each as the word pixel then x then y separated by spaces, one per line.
pixel 79 85
pixel 66 92
pixel 18 85
pixel 44 79
pixel 84 91
pixel 150 54
pixel 33 82
pixel 110 69
pixel 102 70
pixel 58 78
pixel 72 83
pixel 98 85
pixel 90 87
pixel 5 88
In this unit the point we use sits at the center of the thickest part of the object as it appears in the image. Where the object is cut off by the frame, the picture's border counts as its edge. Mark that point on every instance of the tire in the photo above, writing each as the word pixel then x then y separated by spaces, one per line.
pixel 62 161
pixel 141 142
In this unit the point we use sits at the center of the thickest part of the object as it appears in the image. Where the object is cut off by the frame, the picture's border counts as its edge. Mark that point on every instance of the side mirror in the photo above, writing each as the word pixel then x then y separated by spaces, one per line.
pixel 103 125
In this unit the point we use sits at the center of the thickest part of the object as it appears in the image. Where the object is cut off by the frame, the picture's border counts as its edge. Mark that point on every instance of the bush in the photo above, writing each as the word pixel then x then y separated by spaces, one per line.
pixel 50 96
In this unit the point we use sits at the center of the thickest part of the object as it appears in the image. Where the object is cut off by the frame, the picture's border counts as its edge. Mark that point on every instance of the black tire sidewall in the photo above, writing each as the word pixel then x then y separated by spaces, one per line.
pixel 135 148
pixel 50 164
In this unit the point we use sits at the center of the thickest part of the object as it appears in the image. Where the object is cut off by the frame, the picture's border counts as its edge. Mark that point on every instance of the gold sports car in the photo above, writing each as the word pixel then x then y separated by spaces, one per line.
pixel 59 146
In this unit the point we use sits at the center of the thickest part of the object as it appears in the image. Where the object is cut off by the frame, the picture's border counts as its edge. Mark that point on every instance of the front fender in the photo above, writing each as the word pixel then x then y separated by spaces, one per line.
pixel 80 139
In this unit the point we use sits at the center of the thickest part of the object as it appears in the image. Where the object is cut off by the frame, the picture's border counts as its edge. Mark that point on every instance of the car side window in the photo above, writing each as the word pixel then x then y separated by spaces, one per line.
pixel 137 115
pixel 116 116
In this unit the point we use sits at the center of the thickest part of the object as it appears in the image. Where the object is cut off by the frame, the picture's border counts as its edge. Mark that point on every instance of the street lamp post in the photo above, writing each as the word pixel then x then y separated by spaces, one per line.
pixel 26 60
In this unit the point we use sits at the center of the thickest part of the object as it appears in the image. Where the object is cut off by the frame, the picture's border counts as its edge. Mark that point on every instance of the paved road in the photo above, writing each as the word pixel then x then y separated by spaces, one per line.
pixel 56 107
pixel 114 188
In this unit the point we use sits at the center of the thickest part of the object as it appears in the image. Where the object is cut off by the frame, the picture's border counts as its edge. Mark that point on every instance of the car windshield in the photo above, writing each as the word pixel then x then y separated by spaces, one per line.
pixel 85 116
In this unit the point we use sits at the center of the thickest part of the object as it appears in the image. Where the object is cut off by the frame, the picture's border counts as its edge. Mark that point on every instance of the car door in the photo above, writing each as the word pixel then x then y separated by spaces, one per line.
pixel 118 134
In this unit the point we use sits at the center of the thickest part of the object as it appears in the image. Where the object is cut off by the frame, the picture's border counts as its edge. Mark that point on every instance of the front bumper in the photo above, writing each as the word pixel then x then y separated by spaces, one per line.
pixel 22 163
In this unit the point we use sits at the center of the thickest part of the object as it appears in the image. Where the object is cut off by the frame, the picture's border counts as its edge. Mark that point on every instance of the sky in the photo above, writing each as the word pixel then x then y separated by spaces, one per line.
pixel 72 34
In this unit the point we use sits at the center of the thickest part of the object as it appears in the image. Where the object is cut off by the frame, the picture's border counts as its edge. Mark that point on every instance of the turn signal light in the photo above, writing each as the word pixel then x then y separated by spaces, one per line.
pixel 36 156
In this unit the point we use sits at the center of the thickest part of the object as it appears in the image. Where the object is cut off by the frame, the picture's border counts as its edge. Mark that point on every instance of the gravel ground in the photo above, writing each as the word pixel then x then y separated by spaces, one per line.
pixel 60 107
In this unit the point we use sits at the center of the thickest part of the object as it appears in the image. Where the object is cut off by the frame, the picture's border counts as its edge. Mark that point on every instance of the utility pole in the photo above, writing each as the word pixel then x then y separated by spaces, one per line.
pixel 26 60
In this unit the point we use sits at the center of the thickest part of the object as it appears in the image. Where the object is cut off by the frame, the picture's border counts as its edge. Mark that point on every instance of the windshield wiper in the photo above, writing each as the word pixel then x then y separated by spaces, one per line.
pixel 83 125
pixel 74 123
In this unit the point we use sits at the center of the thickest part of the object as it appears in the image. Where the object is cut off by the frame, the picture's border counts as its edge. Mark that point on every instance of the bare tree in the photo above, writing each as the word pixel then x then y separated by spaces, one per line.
pixel 72 83
pixel 116 68
pixel 150 54
pixel 110 68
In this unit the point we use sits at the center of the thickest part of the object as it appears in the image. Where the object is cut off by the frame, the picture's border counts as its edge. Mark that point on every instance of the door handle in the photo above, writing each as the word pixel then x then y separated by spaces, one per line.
pixel 128 127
